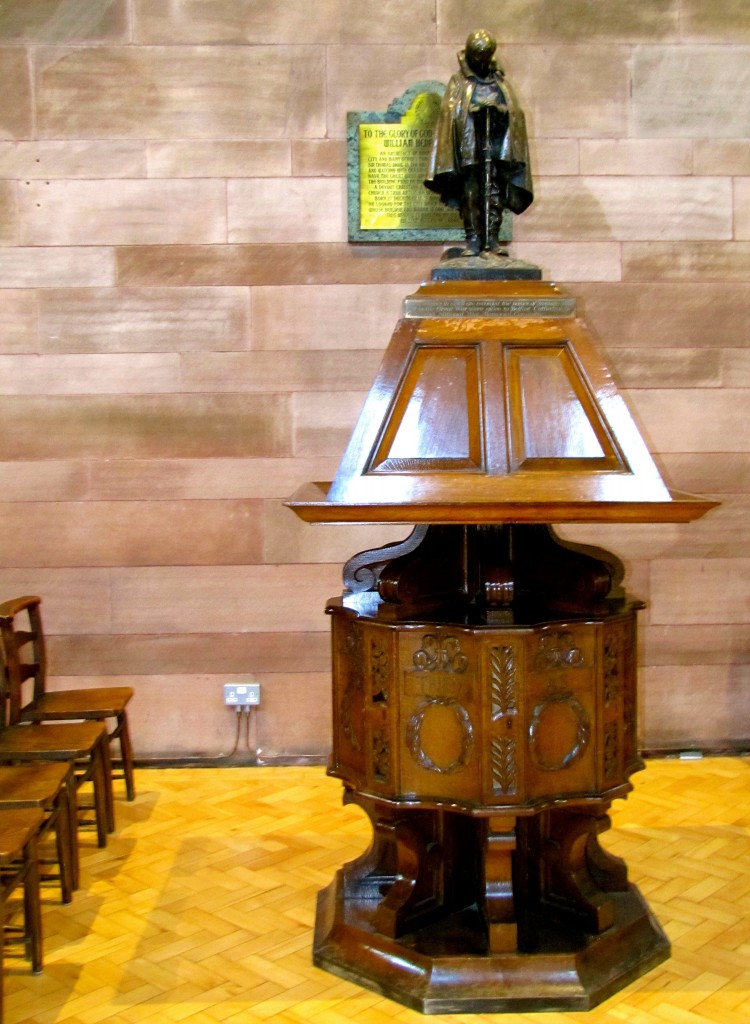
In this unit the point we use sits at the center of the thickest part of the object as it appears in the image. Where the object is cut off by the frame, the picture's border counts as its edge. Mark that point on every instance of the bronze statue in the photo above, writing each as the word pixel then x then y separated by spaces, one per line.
pixel 479 162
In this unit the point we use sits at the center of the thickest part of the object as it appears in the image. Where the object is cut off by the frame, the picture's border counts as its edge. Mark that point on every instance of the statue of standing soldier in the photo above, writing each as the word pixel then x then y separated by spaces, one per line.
pixel 479 162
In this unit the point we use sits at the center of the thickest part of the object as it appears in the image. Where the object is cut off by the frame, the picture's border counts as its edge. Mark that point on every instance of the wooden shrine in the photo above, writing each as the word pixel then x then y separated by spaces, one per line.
pixel 484 671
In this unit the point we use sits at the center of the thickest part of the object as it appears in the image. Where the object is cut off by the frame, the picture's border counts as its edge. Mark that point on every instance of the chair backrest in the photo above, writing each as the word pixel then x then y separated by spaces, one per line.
pixel 23 653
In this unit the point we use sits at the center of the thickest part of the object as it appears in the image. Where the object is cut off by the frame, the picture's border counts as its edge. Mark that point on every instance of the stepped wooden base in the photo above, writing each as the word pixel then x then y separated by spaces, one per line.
pixel 576 972
pixel 487 755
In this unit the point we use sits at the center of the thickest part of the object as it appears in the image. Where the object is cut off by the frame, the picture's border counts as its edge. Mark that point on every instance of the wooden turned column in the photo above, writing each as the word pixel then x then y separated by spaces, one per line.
pixel 499 901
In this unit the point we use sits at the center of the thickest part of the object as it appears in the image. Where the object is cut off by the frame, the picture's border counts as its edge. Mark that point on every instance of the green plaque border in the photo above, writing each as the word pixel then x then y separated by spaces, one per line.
pixel 392 115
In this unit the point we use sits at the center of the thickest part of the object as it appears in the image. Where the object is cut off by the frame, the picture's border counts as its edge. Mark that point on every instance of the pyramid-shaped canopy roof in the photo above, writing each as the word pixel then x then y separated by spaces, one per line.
pixel 493 405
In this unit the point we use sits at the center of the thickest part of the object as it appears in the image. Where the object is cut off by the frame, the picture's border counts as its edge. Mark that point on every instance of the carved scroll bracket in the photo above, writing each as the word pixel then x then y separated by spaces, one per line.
pixel 362 572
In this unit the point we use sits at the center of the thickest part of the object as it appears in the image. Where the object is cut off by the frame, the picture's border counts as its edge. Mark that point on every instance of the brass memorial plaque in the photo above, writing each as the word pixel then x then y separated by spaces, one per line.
pixel 387 160
pixel 422 307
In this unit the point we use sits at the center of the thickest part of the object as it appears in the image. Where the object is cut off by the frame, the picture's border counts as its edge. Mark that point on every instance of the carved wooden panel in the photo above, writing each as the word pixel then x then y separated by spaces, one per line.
pixel 503 672
pixel 562 708
pixel 495 418
pixel 435 420
pixel 440 710
pixel 618 669
pixel 381 753
pixel 555 421
pixel 485 717
pixel 348 695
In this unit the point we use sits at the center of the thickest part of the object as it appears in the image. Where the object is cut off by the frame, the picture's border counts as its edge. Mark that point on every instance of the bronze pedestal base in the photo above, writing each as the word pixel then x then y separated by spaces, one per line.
pixel 418 971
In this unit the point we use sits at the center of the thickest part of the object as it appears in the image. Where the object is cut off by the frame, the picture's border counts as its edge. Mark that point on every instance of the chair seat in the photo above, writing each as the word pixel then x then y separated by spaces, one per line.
pixel 19 865
pixel 65 739
pixel 99 702
pixel 22 642
pixel 49 786
pixel 16 827
pixel 84 742
pixel 58 741
pixel 32 785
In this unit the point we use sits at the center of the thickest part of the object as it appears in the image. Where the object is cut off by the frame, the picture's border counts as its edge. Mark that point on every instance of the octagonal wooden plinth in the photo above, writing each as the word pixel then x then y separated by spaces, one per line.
pixel 576 972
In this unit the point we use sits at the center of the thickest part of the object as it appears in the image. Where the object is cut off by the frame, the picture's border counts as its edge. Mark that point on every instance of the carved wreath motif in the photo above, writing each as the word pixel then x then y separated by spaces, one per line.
pixel 583 731
pixel 414 736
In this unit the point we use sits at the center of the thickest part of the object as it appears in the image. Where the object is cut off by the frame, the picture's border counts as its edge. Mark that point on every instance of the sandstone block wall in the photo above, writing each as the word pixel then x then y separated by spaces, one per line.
pixel 186 336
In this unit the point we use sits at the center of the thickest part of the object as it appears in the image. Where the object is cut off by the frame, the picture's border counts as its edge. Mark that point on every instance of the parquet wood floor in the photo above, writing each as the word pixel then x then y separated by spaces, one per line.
pixel 201 908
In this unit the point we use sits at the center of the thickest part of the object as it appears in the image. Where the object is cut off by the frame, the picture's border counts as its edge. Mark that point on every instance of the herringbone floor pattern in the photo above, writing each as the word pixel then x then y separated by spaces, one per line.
pixel 201 908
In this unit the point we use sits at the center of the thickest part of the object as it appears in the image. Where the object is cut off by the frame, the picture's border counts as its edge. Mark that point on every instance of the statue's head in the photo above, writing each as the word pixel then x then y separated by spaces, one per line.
pixel 480 49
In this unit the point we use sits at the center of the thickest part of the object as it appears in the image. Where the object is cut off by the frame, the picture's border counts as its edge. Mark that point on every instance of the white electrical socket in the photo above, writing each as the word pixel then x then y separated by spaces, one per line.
pixel 242 694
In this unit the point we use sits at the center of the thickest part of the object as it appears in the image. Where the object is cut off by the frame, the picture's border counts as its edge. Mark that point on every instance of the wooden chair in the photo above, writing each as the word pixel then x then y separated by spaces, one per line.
pixel 19 866
pixel 96 704
pixel 84 744
pixel 49 786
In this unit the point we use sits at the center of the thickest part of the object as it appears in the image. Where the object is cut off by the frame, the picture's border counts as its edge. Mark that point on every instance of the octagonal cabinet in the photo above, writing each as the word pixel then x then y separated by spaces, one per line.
pixel 484 718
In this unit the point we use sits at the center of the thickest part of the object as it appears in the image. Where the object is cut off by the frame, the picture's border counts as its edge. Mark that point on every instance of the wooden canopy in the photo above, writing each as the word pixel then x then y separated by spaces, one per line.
pixel 492 405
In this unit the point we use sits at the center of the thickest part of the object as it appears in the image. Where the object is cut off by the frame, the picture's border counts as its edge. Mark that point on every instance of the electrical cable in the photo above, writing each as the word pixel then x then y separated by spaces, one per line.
pixel 237 737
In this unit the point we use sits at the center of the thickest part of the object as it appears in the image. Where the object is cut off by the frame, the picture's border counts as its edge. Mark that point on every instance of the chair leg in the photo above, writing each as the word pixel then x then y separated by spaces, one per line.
pixel 64 849
pixel 100 792
pixel 98 771
pixel 71 810
pixel 126 752
pixel 2 959
pixel 32 907
pixel 109 796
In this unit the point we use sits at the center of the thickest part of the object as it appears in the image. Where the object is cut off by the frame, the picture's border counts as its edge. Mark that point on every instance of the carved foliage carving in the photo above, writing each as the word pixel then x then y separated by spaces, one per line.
pixel 503 689
pixel 381 755
pixel 612 669
pixel 379 668
pixel 378 672
pixel 611 752
pixel 504 765
pixel 630 708
pixel 351 698
pixel 503 681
